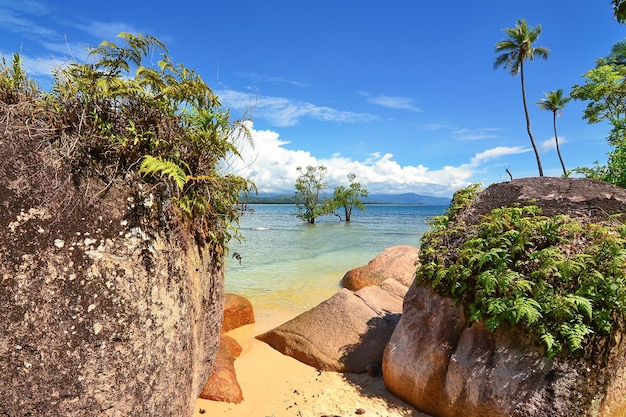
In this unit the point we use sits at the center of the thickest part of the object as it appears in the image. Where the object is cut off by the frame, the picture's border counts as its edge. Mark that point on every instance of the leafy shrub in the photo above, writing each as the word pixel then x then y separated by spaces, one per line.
pixel 14 83
pixel 559 279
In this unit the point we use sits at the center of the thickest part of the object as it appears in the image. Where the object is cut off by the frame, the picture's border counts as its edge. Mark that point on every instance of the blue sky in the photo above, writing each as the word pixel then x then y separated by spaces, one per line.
pixel 402 93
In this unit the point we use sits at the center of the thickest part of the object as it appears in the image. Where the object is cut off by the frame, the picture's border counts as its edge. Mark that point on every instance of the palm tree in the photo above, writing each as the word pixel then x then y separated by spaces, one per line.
pixel 554 102
pixel 514 50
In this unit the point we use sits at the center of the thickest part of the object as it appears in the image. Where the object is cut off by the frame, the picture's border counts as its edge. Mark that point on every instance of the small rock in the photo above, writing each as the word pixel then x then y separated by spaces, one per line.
pixel 359 411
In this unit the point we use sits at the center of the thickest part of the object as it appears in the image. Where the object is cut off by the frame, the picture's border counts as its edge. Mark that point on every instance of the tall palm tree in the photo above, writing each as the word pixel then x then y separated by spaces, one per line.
pixel 514 50
pixel 554 102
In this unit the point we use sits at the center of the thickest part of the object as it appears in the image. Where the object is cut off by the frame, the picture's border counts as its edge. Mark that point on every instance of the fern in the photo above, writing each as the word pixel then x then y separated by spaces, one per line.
pixel 527 309
pixel 581 304
pixel 151 165
pixel 552 345
pixel 557 278
pixel 574 334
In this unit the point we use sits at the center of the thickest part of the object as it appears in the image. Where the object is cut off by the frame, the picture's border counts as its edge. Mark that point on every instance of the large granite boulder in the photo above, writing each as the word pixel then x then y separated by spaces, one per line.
pixel 102 314
pixel 346 333
pixel 238 312
pixel 397 262
pixel 222 385
pixel 445 365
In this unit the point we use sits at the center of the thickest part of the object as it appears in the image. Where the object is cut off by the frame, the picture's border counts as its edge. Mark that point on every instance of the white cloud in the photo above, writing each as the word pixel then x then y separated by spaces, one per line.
pixel 284 112
pixel 436 126
pixel 550 144
pixel 106 30
pixel 261 78
pixel 496 152
pixel 272 167
pixel 476 134
pixel 41 66
pixel 14 22
pixel 27 6
pixel 391 102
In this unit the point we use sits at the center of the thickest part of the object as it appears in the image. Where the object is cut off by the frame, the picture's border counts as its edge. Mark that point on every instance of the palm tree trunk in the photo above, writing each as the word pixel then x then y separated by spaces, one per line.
pixel 530 133
pixel 558 150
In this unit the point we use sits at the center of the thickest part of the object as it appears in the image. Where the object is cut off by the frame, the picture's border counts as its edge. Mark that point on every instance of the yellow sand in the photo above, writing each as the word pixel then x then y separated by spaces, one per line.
pixel 275 385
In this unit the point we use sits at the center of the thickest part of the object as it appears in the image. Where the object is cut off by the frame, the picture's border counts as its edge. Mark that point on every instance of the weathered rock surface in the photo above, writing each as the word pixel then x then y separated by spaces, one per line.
pixel 577 197
pixel 397 262
pixel 101 314
pixel 438 362
pixel 346 333
pixel 222 384
pixel 238 312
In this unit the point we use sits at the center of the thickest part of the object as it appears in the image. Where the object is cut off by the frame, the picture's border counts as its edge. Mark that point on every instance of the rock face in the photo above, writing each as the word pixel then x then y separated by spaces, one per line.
pixel 346 333
pixel 101 315
pixel 577 197
pixel 438 362
pixel 222 384
pixel 396 262
pixel 238 312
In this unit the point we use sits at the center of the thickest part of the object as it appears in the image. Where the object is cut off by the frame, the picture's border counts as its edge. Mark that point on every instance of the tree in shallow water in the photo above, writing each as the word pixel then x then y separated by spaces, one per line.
pixel 309 186
pixel 348 198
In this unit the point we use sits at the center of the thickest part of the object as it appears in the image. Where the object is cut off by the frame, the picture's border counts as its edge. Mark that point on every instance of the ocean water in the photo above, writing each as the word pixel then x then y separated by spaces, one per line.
pixel 288 266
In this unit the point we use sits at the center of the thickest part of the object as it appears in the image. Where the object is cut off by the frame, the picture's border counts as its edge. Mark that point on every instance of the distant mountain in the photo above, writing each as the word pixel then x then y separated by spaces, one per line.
pixel 406 198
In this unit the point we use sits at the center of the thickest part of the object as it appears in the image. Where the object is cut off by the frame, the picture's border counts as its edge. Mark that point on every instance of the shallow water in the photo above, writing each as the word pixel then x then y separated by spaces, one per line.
pixel 288 266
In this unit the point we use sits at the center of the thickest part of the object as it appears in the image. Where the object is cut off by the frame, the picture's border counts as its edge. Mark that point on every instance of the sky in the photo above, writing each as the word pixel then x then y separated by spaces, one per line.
pixel 402 93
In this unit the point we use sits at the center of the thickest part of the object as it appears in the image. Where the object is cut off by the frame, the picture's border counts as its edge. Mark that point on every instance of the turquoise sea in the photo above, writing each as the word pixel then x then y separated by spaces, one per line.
pixel 288 266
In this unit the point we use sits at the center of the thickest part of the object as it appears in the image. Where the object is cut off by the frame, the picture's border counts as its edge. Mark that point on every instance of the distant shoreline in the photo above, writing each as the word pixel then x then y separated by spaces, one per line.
pixel 373 199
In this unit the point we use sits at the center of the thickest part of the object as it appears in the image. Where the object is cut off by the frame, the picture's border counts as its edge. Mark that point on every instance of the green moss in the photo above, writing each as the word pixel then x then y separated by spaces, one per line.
pixel 559 279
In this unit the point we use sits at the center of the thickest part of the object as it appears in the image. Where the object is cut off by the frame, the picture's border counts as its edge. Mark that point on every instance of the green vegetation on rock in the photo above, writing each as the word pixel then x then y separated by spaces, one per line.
pixel 157 129
pixel 559 279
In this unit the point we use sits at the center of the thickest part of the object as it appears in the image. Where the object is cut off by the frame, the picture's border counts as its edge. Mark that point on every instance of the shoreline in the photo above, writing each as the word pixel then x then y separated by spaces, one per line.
pixel 276 385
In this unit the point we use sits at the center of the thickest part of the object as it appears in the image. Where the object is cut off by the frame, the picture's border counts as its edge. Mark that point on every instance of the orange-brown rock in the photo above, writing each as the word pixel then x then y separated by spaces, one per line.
pixel 222 385
pixel 397 262
pixel 238 312
pixel 346 333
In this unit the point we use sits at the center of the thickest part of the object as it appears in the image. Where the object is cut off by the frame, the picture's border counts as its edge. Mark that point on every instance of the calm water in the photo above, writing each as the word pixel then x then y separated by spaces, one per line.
pixel 288 266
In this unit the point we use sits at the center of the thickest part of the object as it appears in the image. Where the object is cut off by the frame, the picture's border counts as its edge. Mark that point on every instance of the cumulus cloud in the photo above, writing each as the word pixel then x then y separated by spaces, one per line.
pixel 269 163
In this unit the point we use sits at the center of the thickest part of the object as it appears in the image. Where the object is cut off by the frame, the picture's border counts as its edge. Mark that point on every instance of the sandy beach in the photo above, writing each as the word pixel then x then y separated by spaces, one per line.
pixel 275 385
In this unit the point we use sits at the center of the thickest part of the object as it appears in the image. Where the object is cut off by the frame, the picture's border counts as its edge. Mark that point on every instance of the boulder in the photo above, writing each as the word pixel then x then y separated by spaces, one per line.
pixel 346 333
pixel 102 314
pixel 446 366
pixel 577 197
pixel 238 312
pixel 222 384
pixel 397 262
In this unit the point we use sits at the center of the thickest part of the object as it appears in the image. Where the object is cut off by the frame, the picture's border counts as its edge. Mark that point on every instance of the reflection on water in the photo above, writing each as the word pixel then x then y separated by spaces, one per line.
pixel 290 266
